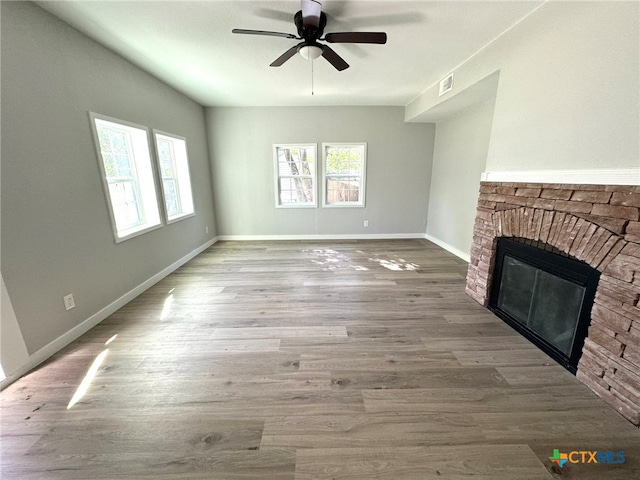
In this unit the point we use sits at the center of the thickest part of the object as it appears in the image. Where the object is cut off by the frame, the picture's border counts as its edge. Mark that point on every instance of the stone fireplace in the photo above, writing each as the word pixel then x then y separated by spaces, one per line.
pixel 598 225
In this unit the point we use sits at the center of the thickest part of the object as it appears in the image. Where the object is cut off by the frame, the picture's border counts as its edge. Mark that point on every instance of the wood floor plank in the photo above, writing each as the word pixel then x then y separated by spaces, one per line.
pixel 433 377
pixel 343 282
pixel 496 358
pixel 277 464
pixel 397 362
pixel 486 462
pixel 472 344
pixel 475 317
pixel 221 364
pixel 149 434
pixel 527 376
pixel 577 424
pixel 351 346
pixel 433 331
pixel 350 431
pixel 479 400
pixel 279 332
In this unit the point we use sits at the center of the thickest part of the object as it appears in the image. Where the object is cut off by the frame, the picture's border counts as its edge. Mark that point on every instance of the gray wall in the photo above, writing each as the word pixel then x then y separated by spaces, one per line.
pixel 570 98
pixel 56 235
pixel 569 89
pixel 399 160
pixel 459 158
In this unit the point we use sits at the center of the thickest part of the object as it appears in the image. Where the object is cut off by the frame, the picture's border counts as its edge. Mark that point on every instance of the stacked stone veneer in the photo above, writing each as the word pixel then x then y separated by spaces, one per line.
pixel 597 224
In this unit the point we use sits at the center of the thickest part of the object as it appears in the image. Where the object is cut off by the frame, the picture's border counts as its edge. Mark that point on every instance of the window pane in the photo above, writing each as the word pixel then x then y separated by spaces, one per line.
pixel 345 161
pixel 171 196
pixel 337 161
pixel 123 165
pixel 166 158
pixel 296 190
pixel 109 165
pixel 116 152
pixel 118 142
pixel 343 189
pixel 296 170
pixel 287 191
pixel 295 161
pixel 125 203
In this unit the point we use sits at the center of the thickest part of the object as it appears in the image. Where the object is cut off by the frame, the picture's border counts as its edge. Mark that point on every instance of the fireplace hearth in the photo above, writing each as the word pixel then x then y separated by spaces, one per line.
pixel 596 225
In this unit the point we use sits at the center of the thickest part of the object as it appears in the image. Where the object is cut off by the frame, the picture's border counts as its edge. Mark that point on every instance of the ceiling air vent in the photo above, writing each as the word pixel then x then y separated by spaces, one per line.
pixel 446 84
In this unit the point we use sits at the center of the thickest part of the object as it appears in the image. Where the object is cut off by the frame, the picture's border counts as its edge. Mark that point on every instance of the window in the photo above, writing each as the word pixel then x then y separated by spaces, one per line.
pixel 344 174
pixel 127 176
pixel 295 175
pixel 173 165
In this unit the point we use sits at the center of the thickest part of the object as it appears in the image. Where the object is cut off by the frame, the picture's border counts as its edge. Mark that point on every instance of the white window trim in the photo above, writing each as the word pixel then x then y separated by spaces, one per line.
pixel 105 184
pixel 363 176
pixel 183 216
pixel 314 176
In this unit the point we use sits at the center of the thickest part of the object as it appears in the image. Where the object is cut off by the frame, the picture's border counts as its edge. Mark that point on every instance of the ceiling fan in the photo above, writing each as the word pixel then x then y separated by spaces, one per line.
pixel 310 23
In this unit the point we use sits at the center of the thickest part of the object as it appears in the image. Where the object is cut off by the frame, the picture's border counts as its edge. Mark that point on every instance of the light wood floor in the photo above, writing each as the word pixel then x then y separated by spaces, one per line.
pixel 301 360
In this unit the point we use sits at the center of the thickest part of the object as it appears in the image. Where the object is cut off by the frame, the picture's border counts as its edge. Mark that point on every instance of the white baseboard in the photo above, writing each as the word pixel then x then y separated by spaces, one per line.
pixel 605 176
pixel 457 252
pixel 373 236
pixel 62 341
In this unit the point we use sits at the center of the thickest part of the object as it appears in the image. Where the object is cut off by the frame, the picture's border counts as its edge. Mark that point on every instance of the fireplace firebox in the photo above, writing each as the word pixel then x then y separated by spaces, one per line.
pixel 545 296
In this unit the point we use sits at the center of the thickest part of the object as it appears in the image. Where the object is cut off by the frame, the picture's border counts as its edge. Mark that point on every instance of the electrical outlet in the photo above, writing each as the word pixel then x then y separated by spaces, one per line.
pixel 68 301
pixel 206 229
pixel 366 223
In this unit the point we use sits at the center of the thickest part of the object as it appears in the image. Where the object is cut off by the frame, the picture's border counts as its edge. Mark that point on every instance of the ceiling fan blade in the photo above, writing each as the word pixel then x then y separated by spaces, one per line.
pixel 311 10
pixel 333 58
pixel 263 32
pixel 285 56
pixel 357 37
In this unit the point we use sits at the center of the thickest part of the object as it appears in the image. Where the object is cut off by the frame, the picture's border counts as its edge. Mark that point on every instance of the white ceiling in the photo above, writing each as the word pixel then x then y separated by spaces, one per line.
pixel 189 45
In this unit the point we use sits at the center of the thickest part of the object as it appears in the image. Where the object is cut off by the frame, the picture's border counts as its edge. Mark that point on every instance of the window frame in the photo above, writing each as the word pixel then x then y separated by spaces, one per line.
pixel 363 176
pixel 180 182
pixel 148 205
pixel 313 176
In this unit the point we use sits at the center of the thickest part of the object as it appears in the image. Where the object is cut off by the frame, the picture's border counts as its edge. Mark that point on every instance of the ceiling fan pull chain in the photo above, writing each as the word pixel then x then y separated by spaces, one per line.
pixel 312 91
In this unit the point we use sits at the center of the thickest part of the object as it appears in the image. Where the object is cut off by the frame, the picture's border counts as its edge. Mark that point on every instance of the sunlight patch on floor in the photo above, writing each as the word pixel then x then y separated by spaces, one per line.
pixel 167 305
pixel 333 260
pixel 396 264
pixel 88 378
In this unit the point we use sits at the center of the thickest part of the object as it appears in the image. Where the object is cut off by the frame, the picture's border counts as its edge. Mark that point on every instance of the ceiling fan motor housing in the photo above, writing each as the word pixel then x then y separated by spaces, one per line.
pixel 309 34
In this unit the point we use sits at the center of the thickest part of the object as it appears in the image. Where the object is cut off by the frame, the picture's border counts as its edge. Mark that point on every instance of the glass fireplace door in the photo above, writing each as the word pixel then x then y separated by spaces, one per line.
pixel 542 302
pixel 545 296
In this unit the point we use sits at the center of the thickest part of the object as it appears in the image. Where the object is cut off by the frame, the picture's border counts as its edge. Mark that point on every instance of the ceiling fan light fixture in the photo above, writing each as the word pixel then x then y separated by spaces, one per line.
pixel 310 52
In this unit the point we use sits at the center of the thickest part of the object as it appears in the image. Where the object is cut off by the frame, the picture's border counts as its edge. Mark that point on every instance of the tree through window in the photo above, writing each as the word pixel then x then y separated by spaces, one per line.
pixel 295 175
